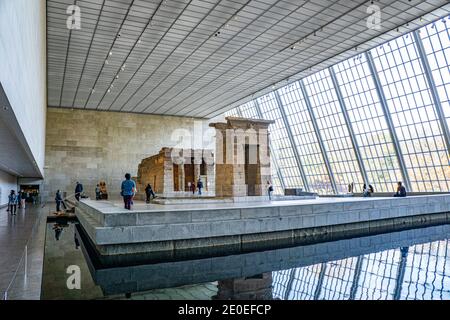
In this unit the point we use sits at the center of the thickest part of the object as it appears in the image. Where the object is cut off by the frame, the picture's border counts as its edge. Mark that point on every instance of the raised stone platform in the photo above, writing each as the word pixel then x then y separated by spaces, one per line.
pixel 166 228
pixel 210 200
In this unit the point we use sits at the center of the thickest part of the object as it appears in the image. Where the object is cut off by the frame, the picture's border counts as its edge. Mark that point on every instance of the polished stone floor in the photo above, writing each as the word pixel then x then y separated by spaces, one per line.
pixel 27 228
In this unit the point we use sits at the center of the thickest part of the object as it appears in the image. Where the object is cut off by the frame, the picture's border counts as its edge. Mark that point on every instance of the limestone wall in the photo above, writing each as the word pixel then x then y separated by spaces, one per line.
pixel 151 170
pixel 89 146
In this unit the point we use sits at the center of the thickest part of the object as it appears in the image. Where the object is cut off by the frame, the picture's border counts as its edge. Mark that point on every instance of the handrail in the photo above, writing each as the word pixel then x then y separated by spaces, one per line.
pixel 24 256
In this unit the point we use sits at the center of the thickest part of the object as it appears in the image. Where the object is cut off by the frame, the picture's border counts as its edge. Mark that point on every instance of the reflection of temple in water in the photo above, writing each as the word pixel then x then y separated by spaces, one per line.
pixel 258 287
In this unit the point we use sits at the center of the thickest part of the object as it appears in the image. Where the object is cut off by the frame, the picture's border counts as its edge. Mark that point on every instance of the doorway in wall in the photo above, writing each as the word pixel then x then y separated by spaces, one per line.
pixel 251 168
pixel 31 190
pixel 176 178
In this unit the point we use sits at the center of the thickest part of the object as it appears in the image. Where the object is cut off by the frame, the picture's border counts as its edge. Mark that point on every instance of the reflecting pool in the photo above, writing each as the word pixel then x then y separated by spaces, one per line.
pixel 411 264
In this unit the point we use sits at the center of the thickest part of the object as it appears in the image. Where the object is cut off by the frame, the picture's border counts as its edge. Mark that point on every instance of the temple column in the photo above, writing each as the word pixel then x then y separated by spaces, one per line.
pixel 196 173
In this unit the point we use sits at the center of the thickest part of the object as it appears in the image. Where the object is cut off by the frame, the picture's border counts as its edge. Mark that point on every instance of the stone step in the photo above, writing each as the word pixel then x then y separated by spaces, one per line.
pixel 108 224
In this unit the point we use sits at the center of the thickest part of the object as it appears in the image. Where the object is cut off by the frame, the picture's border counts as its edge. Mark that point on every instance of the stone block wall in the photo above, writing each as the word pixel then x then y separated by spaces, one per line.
pixel 170 164
pixel 149 169
pixel 89 146
pixel 237 175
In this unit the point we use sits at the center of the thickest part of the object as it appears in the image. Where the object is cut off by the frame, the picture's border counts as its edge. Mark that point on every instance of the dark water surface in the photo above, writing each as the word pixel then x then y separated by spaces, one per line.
pixel 411 264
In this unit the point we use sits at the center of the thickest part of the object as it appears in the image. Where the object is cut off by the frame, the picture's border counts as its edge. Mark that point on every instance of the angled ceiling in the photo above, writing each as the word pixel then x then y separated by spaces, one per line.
pixel 197 57
pixel 16 157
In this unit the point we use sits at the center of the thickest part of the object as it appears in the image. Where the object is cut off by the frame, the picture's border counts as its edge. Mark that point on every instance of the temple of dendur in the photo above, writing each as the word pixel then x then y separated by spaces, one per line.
pixel 172 172
pixel 235 212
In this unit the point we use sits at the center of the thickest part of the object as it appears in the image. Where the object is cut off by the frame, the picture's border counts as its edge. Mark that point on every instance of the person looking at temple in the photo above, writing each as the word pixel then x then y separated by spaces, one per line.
pixel 78 191
pixel 12 202
pixel 401 191
pixel 149 192
pixel 128 190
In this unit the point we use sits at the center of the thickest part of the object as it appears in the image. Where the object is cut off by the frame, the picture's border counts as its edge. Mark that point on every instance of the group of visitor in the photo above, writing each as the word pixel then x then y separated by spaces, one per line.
pixel 368 190
pixel 16 200
pixel 129 190
pixel 196 187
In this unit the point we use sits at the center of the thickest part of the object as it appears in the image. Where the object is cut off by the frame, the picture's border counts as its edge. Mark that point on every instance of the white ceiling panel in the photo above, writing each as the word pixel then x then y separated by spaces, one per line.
pixel 199 57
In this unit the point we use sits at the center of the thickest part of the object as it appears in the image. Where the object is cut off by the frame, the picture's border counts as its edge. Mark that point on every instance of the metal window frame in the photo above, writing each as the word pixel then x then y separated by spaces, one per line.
pixel 291 140
pixel 319 136
pixel 340 97
pixel 388 118
pixel 318 290
pixel 356 277
pixel 432 86
pixel 273 156
pixel 312 160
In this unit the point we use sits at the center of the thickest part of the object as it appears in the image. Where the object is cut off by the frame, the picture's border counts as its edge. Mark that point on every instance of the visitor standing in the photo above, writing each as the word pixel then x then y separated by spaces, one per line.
pixel 12 202
pixel 23 198
pixel 78 191
pixel 97 192
pixel 193 187
pixel 59 200
pixel 199 186
pixel 269 189
pixel 127 191
pixel 149 193
pixel 19 199
pixel 401 191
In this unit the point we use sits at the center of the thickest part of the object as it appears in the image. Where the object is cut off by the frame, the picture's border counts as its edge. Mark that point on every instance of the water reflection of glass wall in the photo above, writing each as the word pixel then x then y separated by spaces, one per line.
pixel 410 104
pixel 409 273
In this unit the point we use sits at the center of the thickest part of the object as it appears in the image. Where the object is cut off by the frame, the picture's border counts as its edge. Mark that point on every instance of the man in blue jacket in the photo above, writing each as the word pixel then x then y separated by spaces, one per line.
pixel 127 191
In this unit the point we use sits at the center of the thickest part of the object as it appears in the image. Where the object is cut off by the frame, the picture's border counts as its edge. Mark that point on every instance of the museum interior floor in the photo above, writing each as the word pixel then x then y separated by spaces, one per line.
pixel 22 244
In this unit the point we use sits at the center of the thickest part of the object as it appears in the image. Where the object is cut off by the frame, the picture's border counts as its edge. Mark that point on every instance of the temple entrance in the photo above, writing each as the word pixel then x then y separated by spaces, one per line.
pixel 251 168
pixel 189 175
pixel 176 178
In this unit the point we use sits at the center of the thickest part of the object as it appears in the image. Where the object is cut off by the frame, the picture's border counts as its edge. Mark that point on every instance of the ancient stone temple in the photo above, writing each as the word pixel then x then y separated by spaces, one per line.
pixel 172 172
pixel 242 157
